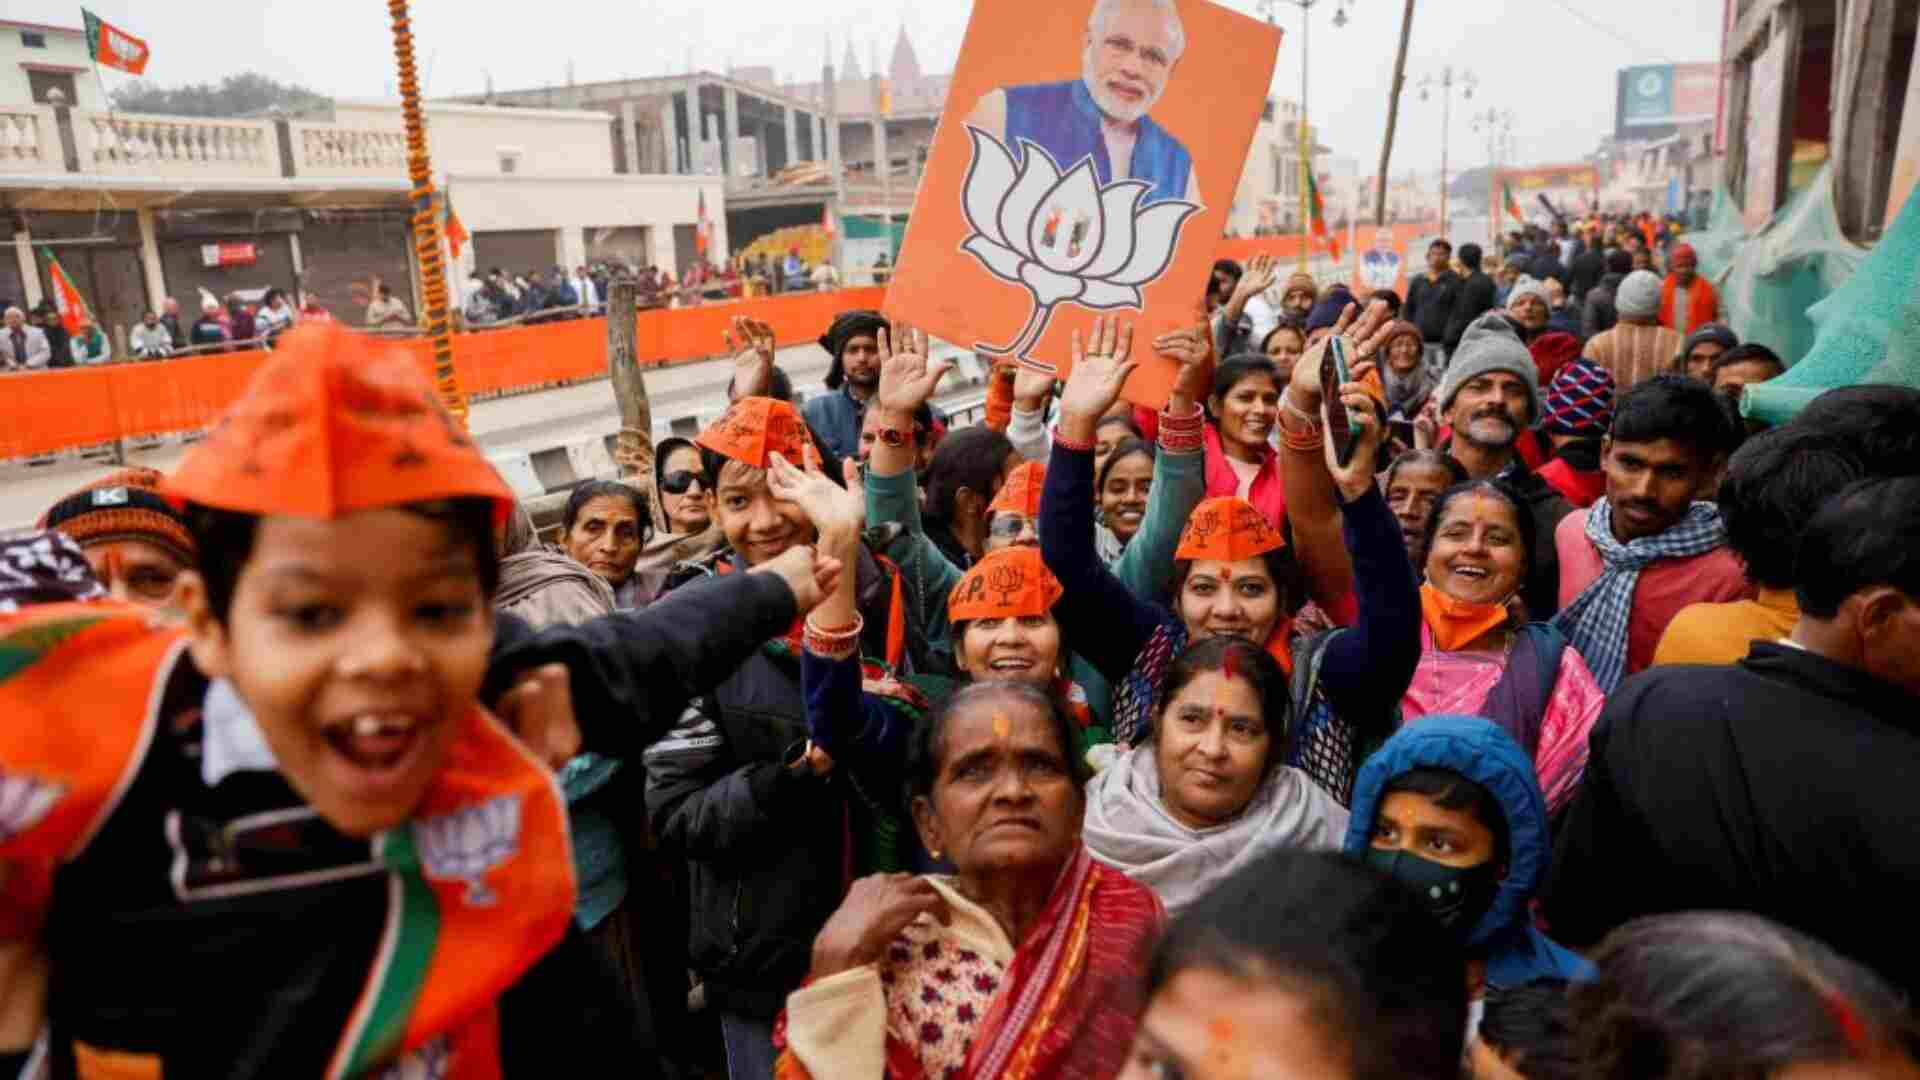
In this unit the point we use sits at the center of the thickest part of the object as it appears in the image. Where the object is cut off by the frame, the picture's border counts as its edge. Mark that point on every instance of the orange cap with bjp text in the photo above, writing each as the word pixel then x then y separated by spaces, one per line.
pixel 1007 584
pixel 1227 529
pixel 335 422
pixel 753 428
pixel 1021 493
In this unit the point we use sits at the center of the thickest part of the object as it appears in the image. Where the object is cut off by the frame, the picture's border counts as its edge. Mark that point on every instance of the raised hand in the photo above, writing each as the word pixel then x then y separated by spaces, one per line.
pixel 539 710
pixel 1192 348
pixel 1262 271
pixel 876 909
pixel 1030 388
pixel 752 344
pixel 1100 370
pixel 1365 333
pixel 1363 418
pixel 837 514
pixel 907 379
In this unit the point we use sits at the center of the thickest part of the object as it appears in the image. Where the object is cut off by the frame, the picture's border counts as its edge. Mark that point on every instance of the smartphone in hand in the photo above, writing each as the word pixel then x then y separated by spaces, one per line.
pixel 1333 375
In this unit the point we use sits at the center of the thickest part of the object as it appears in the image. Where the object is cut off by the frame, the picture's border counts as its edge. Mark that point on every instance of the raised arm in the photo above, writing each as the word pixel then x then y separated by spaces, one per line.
pixel 1367 668
pixel 1179 468
pixel 1099 616
pixel 633 672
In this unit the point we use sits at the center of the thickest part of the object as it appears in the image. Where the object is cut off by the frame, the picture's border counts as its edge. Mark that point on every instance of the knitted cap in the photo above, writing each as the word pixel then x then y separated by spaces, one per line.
pixel 1579 400
pixel 1490 344
pixel 1528 286
pixel 1639 295
pixel 123 506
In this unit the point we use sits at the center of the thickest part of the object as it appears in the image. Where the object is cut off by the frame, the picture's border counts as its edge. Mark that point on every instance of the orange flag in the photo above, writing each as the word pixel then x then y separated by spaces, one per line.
pixel 113 46
pixel 73 310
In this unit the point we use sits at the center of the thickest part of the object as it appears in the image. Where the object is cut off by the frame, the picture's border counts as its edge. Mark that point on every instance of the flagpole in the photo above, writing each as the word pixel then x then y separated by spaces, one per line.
pixel 426 223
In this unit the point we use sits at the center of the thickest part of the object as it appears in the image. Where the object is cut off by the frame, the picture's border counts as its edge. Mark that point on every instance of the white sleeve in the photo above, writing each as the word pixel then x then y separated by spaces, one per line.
pixel 1028 433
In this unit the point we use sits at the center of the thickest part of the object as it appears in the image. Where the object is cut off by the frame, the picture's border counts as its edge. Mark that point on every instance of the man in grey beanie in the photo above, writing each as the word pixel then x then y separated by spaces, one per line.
pixel 1531 305
pixel 1638 347
pixel 1489 396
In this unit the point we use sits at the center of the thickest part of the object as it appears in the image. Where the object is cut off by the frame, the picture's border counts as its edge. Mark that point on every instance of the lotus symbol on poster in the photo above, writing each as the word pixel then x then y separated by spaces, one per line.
pixel 465 844
pixel 1064 238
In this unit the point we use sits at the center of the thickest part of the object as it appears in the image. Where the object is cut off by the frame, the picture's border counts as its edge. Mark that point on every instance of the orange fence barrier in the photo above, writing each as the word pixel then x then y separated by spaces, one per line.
pixel 46 411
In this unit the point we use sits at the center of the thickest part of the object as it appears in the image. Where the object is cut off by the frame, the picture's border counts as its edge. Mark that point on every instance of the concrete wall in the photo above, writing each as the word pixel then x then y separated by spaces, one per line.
pixel 65 49
pixel 470 138
pixel 568 205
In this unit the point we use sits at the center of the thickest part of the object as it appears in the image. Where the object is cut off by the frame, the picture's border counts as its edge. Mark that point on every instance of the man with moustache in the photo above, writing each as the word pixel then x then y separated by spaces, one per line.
pixel 1653 544
pixel 1128 55
pixel 1489 395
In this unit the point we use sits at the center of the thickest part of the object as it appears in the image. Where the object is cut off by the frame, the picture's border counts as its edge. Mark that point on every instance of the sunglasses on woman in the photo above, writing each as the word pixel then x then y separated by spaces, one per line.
pixel 680 481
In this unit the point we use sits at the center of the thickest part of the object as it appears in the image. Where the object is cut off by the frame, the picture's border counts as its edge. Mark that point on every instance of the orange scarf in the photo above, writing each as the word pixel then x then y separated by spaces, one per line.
pixel 1685 310
pixel 1456 624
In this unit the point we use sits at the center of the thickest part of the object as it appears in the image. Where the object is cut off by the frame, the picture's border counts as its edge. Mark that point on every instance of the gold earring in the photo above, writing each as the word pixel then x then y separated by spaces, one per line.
pixel 934 854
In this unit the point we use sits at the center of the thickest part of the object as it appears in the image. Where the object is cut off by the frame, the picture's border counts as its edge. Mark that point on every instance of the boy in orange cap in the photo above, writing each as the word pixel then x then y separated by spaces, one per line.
pixel 302 781
pixel 774 758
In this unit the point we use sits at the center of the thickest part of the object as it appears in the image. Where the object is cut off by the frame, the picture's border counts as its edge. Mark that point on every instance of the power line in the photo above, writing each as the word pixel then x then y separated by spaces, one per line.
pixel 1607 30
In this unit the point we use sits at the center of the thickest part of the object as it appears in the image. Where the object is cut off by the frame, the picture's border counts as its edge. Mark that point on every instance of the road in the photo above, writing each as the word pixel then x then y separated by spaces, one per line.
pixel 508 428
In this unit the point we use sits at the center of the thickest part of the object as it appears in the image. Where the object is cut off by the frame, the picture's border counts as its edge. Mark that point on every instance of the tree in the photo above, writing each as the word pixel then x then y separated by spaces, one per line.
pixel 247 94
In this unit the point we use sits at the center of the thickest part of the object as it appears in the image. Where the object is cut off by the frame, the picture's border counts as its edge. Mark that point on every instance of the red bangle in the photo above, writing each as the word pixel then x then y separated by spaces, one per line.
pixel 1183 434
pixel 835 644
pixel 1066 443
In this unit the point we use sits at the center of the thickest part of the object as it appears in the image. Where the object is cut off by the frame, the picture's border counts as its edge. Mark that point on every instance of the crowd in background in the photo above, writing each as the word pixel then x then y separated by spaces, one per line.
pixel 1506 705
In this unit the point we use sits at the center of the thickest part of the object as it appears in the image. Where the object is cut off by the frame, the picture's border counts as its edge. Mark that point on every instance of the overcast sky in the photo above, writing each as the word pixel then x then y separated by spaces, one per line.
pixel 1553 68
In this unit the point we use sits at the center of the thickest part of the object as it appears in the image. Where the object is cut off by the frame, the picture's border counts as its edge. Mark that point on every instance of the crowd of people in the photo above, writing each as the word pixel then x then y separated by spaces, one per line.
pixel 1510 708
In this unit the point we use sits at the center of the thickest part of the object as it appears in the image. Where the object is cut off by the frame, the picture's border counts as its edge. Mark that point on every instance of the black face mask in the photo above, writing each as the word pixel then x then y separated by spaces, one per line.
pixel 1457 895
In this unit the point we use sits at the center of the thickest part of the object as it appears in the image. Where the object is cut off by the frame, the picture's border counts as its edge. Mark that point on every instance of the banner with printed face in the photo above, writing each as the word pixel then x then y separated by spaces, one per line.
pixel 1084 165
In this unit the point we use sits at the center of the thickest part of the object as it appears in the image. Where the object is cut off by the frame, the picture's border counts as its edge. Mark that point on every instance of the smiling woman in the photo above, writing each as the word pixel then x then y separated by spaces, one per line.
pixel 1028 952
pixel 1479 657
pixel 1208 794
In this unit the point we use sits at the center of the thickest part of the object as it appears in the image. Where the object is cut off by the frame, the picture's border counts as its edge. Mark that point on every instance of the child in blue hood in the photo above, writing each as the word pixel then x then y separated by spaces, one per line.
pixel 1450 806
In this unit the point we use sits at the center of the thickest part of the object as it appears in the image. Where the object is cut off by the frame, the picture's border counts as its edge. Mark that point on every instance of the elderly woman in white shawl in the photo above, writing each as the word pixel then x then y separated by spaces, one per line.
pixel 1208 793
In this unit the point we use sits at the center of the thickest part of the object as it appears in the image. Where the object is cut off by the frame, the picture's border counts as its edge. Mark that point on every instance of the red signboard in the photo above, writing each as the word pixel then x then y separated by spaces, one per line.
pixel 230 253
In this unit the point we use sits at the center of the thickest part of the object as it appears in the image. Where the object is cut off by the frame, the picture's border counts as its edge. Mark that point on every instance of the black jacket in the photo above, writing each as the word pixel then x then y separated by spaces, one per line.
pixel 1585 272
pixel 1781 785
pixel 1430 304
pixel 767 847
pixel 1475 298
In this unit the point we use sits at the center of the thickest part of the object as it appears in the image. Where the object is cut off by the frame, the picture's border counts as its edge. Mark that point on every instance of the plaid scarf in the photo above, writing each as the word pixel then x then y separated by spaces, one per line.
pixel 1596 621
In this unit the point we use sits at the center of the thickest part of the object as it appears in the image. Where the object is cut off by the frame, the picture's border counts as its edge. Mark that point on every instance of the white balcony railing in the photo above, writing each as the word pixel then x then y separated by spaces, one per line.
pixel 29 142
pixel 131 144
pixel 328 150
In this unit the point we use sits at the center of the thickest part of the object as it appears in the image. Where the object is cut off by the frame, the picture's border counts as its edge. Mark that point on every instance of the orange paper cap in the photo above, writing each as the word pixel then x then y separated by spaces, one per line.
pixel 1021 493
pixel 753 428
pixel 335 422
pixel 1227 529
pixel 1009 583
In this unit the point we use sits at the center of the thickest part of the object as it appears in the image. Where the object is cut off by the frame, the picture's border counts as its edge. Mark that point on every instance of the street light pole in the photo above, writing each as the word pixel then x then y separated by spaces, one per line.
pixel 1306 143
pixel 1446 83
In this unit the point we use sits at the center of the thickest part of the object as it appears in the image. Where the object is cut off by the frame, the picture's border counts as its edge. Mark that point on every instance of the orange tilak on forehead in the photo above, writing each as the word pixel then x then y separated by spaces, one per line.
pixel 1002 727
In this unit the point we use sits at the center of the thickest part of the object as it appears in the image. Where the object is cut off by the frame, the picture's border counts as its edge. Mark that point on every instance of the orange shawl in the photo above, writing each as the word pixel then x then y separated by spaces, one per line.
pixel 1703 304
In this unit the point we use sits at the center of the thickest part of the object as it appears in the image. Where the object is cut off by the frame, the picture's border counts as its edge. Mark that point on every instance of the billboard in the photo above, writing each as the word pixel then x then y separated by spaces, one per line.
pixel 1653 99
pixel 1028 223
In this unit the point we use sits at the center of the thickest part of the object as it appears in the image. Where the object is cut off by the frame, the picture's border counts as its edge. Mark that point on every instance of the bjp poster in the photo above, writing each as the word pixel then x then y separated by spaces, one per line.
pixel 1084 165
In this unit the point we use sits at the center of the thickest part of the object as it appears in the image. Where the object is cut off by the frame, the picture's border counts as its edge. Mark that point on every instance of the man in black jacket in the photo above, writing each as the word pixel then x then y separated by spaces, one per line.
pixel 1584 272
pixel 1782 784
pixel 1475 298
pixel 767 821
pixel 1430 300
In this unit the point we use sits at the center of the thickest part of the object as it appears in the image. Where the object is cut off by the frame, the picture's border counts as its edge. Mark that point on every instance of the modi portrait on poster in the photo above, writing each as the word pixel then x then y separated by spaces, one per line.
pixel 1085 164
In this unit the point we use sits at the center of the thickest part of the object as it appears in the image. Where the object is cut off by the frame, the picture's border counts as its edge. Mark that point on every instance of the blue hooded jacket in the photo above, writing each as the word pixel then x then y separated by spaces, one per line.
pixel 1479 750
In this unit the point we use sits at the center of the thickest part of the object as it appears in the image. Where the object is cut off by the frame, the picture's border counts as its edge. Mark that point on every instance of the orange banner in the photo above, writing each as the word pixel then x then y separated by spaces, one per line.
pixel 49 411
